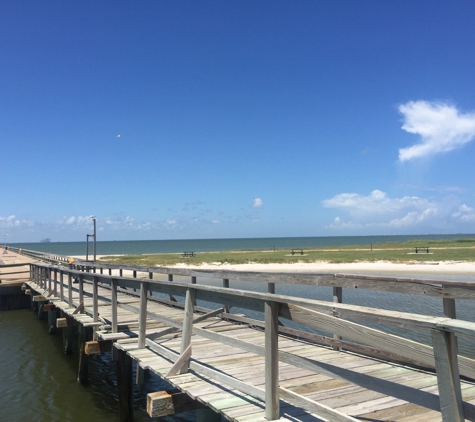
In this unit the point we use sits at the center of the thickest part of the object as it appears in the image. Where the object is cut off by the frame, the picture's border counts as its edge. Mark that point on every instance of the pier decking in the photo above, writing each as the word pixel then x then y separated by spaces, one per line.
pixel 247 369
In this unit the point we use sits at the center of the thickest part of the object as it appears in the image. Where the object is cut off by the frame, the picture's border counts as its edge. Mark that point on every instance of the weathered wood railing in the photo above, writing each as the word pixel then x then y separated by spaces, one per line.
pixel 330 316
pixel 42 256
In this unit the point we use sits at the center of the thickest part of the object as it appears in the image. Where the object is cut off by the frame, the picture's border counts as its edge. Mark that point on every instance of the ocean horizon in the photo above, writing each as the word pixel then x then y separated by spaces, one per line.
pixel 113 247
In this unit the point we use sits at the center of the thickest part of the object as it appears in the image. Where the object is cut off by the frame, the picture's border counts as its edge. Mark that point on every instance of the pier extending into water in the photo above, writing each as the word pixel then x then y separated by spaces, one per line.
pixel 238 367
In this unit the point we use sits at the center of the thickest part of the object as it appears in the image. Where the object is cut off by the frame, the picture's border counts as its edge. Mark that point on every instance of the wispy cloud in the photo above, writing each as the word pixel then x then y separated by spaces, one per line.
pixel 13 222
pixel 377 210
pixel 75 223
pixel 441 127
pixel 257 203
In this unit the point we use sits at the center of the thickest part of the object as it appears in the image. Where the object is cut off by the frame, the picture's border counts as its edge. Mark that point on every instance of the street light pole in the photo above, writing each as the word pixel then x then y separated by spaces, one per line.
pixel 94 236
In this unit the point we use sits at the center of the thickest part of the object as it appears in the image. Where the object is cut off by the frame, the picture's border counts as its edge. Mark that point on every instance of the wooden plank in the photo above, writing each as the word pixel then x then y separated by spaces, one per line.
pixel 314 407
pixel 448 376
pixel 216 375
pixel 187 326
pixel 160 404
pixel 80 308
pixel 180 362
pixel 97 347
pixel 142 314
pixel 412 350
pixel 66 322
pixel 366 381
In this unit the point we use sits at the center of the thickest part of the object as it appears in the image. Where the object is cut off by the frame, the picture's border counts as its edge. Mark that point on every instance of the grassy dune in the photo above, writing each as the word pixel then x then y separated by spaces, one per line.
pixel 439 250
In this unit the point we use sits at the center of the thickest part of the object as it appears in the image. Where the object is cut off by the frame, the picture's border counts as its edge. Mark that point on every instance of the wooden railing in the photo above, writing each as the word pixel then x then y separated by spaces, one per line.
pixel 42 256
pixel 333 317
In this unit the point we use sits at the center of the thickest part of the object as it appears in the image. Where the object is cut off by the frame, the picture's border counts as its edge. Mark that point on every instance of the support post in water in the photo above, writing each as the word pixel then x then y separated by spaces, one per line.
pixel 124 385
pixel 83 358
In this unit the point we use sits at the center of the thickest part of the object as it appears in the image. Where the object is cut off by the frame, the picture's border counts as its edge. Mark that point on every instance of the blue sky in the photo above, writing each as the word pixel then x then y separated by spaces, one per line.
pixel 215 119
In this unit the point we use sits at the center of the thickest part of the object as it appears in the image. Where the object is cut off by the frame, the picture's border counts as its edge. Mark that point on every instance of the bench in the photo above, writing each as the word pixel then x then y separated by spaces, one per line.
pixel 424 248
pixel 188 254
pixel 297 250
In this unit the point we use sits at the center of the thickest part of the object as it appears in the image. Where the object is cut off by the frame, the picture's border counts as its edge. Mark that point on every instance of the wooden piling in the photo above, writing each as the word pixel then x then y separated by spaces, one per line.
pixel 52 316
pixel 124 385
pixel 83 358
pixel 69 336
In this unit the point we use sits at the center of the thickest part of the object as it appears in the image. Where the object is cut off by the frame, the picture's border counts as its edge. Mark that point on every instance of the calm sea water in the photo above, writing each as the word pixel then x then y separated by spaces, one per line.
pixel 38 382
pixel 214 245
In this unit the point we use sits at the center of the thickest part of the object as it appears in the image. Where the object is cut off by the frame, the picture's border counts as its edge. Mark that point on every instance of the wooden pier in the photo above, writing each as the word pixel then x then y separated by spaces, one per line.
pixel 250 369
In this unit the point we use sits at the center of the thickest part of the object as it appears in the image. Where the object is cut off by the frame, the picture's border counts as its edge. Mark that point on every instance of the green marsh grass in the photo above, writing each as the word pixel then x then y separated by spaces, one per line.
pixel 439 250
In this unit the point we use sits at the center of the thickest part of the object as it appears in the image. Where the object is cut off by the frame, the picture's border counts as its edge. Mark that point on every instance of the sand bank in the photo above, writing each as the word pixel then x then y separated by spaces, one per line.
pixel 374 268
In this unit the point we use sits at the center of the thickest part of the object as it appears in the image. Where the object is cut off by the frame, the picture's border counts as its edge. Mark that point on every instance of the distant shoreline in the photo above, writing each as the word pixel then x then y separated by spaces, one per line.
pixel 461 268
pixel 378 267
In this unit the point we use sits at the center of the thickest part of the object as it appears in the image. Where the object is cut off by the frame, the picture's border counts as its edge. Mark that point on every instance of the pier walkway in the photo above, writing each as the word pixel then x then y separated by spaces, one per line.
pixel 266 366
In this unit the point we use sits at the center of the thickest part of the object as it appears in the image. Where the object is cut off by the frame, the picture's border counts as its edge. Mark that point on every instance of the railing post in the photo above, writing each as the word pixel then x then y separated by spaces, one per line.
pixel 271 360
pixel 170 278
pixel 193 281
pixel 271 288
pixel 61 286
pixel 70 290
pixel 226 286
pixel 95 299
pixel 448 377
pixel 81 291
pixel 143 314
pixel 150 276
pixel 187 325
pixel 337 298
pixel 449 308
pixel 55 288
pixel 114 304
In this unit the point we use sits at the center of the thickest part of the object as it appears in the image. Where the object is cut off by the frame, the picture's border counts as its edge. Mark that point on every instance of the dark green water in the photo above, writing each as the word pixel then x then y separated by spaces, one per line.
pixel 38 382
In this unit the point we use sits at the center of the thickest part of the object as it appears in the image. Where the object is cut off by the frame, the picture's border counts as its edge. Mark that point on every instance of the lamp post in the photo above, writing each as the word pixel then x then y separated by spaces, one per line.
pixel 94 236
pixel 94 241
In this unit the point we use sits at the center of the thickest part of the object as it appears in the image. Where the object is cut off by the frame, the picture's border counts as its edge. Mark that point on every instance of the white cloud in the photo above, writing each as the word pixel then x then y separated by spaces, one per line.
pixel 441 126
pixel 257 203
pixel 13 222
pixel 377 210
pixel 76 223
pixel 376 203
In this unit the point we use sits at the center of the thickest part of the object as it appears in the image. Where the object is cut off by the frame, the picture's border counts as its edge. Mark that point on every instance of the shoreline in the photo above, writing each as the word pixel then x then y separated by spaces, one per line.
pixel 374 268
pixel 456 268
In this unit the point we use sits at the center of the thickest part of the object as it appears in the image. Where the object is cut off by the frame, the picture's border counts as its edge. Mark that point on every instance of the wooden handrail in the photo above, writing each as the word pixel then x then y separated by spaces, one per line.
pixel 331 316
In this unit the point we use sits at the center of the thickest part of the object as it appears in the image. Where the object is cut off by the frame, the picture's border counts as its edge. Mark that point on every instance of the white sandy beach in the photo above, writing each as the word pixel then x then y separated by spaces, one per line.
pixel 375 268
